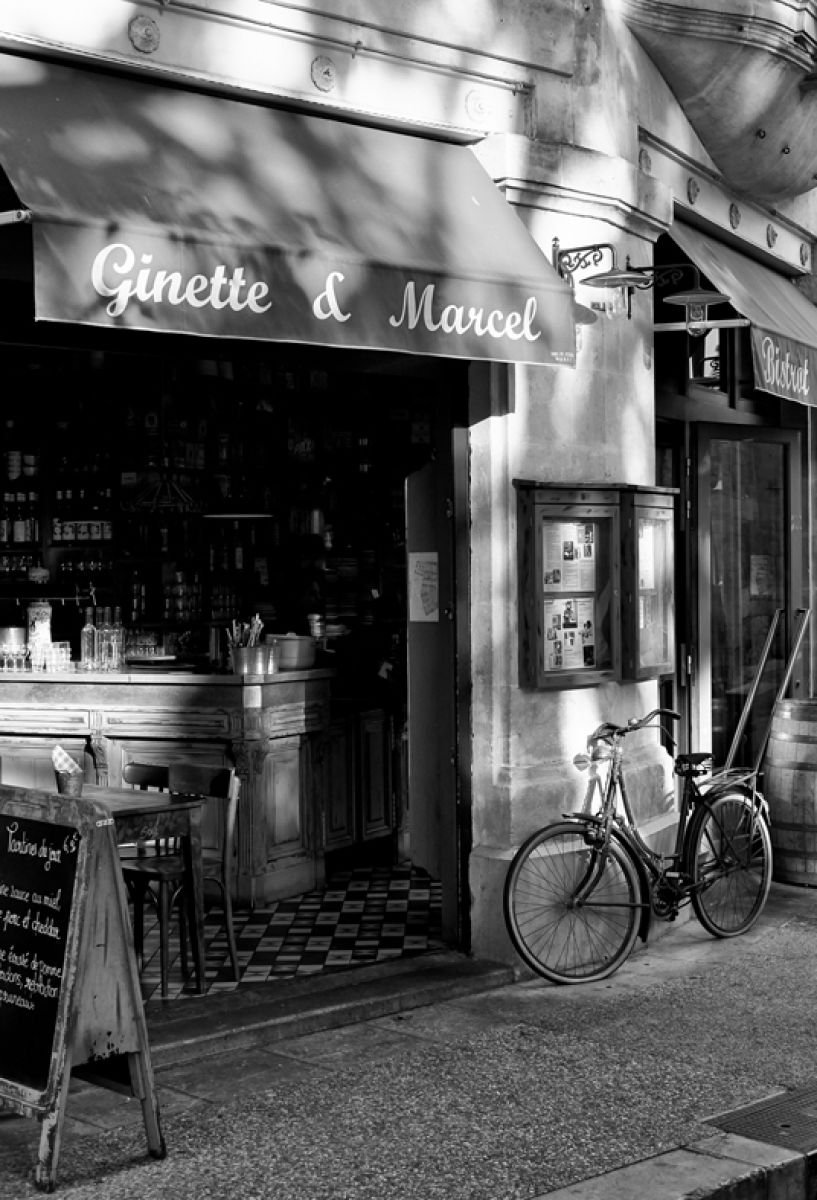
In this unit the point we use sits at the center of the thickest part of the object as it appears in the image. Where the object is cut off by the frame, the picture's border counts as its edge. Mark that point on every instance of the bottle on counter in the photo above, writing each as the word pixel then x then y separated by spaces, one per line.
pixel 88 650
pixel 118 640
pixel 106 642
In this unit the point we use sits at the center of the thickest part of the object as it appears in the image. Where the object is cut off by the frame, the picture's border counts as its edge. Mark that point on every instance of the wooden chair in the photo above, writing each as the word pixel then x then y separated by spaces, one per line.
pixel 161 864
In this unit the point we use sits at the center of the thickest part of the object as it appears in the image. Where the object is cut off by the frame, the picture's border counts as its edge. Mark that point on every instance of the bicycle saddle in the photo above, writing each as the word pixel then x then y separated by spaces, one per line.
pixel 696 764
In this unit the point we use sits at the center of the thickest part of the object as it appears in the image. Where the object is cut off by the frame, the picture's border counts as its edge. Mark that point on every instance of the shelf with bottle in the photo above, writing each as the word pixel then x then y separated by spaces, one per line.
pixel 82 514
pixel 88 563
pixel 18 565
pixel 20 458
pixel 19 520
pixel 240 546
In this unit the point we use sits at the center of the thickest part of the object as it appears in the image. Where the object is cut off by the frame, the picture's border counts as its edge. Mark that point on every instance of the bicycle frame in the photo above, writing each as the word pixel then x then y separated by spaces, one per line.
pixel 580 891
pixel 616 819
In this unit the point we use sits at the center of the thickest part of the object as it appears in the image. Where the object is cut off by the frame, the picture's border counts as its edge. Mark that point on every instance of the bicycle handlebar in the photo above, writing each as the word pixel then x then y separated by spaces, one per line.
pixel 607 731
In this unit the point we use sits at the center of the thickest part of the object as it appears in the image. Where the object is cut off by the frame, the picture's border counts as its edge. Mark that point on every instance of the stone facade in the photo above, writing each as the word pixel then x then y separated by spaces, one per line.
pixel 574 120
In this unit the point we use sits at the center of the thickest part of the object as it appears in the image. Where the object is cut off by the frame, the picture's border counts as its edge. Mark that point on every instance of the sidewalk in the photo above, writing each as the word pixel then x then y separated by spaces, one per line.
pixel 440 1077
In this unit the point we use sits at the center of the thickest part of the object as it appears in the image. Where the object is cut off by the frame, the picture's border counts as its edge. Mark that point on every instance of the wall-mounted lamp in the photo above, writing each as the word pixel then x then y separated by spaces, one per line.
pixel 696 307
pixel 696 301
pixel 618 280
pixel 626 279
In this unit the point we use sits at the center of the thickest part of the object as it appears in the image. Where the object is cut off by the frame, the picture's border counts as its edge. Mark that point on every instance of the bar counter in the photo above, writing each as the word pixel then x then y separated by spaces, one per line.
pixel 269 726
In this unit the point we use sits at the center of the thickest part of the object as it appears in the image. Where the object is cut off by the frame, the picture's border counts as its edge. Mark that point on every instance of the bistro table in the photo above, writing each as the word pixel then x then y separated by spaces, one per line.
pixel 144 816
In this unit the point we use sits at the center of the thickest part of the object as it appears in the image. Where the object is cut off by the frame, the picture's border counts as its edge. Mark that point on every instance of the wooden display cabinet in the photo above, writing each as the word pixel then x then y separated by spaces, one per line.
pixel 596 596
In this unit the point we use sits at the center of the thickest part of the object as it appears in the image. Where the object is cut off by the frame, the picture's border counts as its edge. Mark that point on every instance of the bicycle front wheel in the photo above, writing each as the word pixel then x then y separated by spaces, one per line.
pixel 729 858
pixel 561 937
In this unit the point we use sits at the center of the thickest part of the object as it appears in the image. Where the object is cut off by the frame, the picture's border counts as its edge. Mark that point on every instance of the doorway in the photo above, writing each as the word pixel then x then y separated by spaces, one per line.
pixel 391 764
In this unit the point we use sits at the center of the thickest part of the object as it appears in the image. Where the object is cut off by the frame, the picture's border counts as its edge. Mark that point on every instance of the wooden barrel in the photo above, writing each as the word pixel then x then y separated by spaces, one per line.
pixel 790 786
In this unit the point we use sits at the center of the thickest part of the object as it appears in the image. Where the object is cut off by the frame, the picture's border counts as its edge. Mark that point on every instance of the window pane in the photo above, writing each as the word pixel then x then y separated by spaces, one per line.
pixel 748 565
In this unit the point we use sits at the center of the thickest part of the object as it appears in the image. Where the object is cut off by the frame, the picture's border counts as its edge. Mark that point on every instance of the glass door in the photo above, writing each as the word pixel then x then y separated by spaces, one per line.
pixel 748 560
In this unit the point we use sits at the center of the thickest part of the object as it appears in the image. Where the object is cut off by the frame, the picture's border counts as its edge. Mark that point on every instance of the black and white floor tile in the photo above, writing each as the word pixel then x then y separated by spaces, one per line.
pixel 363 916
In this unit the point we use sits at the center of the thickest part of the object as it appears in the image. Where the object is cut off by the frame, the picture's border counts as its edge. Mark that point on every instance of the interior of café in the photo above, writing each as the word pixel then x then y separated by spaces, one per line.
pixel 176 501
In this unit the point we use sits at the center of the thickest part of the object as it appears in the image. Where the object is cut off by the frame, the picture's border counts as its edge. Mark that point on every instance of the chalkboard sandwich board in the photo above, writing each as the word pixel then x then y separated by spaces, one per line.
pixel 69 984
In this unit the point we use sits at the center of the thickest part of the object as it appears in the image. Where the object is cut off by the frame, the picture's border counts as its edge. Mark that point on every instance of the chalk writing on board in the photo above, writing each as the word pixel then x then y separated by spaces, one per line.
pixel 37 871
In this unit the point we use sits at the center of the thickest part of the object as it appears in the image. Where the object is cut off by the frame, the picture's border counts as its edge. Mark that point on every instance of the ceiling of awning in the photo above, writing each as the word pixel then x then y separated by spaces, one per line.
pixel 163 209
pixel 783 321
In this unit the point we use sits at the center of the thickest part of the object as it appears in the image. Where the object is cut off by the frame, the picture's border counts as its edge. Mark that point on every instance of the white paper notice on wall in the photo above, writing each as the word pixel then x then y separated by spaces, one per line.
pixel 424 586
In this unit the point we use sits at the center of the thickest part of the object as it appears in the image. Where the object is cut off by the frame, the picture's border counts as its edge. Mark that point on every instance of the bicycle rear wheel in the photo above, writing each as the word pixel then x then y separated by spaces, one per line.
pixel 563 941
pixel 729 857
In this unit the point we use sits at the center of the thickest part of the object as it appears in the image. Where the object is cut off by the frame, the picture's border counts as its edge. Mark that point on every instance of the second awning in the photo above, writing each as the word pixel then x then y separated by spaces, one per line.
pixel 783 321
pixel 157 208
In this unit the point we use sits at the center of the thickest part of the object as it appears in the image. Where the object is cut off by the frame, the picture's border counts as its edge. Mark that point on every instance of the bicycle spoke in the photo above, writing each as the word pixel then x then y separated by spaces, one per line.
pixel 730 864
pixel 561 932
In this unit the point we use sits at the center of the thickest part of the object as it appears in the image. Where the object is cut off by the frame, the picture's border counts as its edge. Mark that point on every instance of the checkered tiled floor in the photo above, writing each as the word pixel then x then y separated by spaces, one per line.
pixel 362 916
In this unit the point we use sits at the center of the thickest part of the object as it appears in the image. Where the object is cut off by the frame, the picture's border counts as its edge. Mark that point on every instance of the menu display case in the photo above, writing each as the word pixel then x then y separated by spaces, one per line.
pixel 648 607
pixel 596 584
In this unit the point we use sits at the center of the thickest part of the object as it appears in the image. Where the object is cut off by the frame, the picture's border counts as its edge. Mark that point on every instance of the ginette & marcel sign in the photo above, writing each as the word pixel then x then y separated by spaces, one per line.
pixel 127 280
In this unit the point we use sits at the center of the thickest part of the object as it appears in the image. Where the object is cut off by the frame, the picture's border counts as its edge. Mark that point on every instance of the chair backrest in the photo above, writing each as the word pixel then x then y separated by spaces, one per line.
pixel 146 775
pixel 200 780
pixel 221 783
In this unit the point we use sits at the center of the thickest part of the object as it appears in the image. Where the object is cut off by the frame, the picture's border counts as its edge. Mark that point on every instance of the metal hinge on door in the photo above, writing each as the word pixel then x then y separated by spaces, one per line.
pixel 687 516
pixel 449 507
pixel 687 665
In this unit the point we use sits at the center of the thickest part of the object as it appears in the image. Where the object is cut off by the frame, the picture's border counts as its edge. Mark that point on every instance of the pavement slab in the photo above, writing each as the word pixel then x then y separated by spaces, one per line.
pixel 460 1081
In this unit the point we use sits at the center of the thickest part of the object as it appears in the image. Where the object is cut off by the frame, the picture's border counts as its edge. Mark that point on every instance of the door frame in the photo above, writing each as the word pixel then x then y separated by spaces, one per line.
pixel 699 594
pixel 451 752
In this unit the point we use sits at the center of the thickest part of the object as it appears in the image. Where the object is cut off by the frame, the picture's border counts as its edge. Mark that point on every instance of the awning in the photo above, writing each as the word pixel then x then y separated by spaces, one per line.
pixel 783 321
pixel 163 209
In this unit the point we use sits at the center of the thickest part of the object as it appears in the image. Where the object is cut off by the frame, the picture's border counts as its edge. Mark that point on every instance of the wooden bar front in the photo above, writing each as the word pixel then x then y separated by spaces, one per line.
pixel 268 726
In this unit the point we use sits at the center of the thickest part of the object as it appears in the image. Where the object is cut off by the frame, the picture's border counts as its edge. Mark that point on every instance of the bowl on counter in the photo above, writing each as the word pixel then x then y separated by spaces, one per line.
pixel 13 636
pixel 294 652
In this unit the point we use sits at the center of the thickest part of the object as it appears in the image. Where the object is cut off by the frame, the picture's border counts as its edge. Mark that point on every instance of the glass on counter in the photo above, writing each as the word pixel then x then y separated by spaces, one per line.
pixel 13 657
pixel 57 656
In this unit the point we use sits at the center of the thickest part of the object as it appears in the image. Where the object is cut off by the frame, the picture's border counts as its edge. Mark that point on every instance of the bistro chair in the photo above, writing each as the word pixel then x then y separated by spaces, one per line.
pixel 155 873
pixel 147 777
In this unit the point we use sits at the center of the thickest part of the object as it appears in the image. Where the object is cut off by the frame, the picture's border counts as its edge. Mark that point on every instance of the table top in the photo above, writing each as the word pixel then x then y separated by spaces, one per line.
pixel 125 802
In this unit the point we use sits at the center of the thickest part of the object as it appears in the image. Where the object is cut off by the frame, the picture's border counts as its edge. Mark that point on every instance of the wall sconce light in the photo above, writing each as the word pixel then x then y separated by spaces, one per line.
pixel 624 280
pixel 696 302
pixel 619 280
pixel 696 305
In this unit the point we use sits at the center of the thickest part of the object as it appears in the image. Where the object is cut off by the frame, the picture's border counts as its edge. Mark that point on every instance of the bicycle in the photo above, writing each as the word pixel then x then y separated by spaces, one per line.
pixel 581 890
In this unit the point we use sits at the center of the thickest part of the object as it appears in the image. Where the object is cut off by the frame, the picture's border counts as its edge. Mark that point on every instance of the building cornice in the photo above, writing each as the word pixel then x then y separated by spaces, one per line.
pixel 743 74
pixel 445 75
pixel 785 28
pixel 702 197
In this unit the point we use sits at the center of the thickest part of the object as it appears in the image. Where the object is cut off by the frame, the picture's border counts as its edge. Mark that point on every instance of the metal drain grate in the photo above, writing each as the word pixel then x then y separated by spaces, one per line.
pixel 788 1120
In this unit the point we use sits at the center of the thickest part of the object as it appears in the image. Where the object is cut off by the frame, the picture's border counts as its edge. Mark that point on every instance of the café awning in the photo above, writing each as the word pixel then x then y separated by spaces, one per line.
pixel 783 322
pixel 158 208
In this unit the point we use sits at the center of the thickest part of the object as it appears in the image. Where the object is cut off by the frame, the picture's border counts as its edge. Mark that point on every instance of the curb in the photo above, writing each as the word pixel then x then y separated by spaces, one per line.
pixel 201 1026
pixel 722 1166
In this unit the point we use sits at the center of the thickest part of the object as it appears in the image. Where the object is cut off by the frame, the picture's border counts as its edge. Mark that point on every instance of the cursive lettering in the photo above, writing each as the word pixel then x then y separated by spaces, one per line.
pixel 459 319
pixel 147 284
pixel 21 844
pixel 326 304
pixel 782 370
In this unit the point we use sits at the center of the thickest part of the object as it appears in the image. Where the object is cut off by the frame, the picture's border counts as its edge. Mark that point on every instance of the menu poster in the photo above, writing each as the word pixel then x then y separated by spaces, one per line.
pixel 38 864
pixel 570 635
pixel 424 587
pixel 646 555
pixel 569 556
